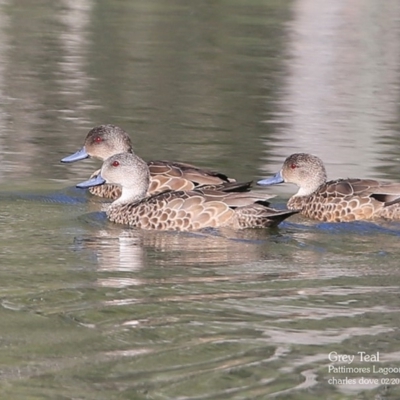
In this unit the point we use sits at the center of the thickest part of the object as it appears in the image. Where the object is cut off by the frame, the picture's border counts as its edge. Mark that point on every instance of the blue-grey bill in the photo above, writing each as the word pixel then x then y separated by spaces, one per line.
pixel 277 178
pixel 95 181
pixel 79 155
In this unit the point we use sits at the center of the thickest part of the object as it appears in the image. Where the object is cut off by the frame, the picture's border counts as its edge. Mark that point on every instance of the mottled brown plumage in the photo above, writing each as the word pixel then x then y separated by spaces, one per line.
pixel 162 183
pixel 337 200
pixel 178 210
pixel 106 140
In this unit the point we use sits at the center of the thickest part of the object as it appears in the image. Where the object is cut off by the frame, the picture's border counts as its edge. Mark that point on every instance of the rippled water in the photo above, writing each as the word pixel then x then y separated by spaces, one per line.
pixel 92 310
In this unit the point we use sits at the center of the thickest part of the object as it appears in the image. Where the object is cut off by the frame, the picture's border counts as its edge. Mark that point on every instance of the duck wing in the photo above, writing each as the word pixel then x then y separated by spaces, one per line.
pixel 235 199
pixel 384 192
pixel 199 176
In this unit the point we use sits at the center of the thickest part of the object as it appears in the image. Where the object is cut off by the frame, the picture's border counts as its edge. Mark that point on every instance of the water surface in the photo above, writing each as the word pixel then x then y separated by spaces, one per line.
pixel 93 310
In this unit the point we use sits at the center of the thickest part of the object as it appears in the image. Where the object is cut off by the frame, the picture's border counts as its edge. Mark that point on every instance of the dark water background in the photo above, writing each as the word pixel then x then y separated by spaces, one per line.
pixel 90 310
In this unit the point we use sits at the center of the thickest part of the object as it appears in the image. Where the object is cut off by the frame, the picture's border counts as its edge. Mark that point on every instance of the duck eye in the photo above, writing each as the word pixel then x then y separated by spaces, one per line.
pixel 98 139
pixel 293 166
pixel 115 163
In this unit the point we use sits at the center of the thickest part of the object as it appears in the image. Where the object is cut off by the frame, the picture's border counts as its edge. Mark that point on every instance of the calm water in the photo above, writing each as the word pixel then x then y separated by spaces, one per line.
pixel 90 310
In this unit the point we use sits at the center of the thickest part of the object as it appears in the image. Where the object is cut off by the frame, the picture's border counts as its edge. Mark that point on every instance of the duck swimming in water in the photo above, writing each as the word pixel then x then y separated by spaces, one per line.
pixel 104 141
pixel 182 210
pixel 338 200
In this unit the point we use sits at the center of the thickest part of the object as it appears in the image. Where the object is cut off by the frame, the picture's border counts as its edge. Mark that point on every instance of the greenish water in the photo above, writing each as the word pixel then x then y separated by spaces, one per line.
pixel 92 310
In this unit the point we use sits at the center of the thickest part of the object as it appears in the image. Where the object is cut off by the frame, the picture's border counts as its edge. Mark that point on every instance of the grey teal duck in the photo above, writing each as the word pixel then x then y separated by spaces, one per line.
pixel 178 210
pixel 338 200
pixel 104 141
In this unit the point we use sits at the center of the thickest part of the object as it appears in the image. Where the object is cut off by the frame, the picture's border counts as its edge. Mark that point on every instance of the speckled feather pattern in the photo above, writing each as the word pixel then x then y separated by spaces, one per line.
pixel 106 191
pixel 346 200
pixel 338 200
pixel 166 175
pixel 105 141
pixel 193 210
pixel 166 195
pixel 159 184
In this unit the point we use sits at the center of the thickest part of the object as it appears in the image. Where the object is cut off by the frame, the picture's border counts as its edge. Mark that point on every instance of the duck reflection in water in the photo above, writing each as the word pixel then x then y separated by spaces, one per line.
pixel 121 252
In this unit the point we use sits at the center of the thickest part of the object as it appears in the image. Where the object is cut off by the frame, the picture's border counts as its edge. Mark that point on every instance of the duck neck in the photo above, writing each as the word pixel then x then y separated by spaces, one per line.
pixel 130 195
pixel 312 184
pixel 305 192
